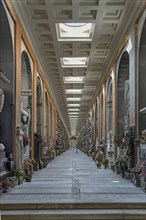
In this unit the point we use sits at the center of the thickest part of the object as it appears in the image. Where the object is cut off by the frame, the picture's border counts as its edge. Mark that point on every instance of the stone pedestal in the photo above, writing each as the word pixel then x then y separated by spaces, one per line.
pixel 25 152
pixel 10 165
pixel 19 147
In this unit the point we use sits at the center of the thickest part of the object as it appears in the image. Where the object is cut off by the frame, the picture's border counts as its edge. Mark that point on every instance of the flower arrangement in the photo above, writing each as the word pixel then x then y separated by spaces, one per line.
pixel 105 162
pixel 137 170
pixel 6 185
pixel 19 175
pixel 45 161
pixel 13 181
pixel 26 139
pixel 28 177
pixel 98 164
pixel 118 141
pixel 110 153
pixel 41 164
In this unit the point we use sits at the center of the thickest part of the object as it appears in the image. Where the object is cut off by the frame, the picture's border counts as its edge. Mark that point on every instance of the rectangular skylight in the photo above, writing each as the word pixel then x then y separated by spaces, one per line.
pixel 73 113
pixel 75 31
pixel 74 79
pixel 73 91
pixel 73 109
pixel 73 105
pixel 74 61
pixel 73 99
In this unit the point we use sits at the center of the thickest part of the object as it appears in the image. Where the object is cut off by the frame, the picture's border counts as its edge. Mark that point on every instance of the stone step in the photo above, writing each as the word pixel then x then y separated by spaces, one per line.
pixel 75 214
pixel 73 205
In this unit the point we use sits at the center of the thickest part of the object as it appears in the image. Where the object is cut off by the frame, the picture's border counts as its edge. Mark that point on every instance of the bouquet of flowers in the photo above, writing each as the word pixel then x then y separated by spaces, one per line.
pixel 137 170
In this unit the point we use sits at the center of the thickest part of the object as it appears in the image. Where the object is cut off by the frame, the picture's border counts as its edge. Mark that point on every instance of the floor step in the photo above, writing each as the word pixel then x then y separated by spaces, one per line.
pixel 77 205
pixel 84 214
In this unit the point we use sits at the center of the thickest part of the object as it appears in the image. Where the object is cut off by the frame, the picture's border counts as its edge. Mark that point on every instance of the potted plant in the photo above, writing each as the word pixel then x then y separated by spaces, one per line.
pixel 105 162
pixel 20 176
pixel 28 177
pixel 136 171
pixel 13 181
pixel 40 164
pixel 98 164
pixel 5 185
pixel 110 153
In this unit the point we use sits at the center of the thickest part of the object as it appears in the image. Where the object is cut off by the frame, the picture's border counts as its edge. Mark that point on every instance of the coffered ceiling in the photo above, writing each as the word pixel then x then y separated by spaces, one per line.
pixel 89 31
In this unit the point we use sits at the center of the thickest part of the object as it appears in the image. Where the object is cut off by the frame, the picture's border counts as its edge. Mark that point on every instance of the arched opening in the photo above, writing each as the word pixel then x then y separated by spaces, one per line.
pixel 38 135
pixel 46 132
pixel 7 85
pixel 51 124
pixel 39 107
pixel 96 123
pixel 93 128
pixel 26 104
pixel 109 115
pixel 123 99
pixel 142 94
pixel 101 120
pixel 73 141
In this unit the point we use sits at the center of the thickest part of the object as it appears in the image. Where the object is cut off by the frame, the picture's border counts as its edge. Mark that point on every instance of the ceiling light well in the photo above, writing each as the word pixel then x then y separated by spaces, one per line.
pixel 67 62
pixel 75 31
pixel 73 79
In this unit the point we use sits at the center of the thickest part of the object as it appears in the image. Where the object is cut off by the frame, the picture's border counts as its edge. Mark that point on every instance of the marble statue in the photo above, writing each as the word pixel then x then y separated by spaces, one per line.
pixel 3 78
pixel 2 96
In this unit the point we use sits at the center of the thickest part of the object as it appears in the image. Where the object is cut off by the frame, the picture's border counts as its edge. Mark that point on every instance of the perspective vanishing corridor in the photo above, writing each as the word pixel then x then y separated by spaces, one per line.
pixel 72 187
pixel 72 109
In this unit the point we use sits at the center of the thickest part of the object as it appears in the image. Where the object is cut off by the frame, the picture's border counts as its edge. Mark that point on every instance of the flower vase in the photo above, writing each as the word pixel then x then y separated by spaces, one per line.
pixel 127 175
pixel 20 180
pixel 137 182
pixel 5 189
pixel 118 170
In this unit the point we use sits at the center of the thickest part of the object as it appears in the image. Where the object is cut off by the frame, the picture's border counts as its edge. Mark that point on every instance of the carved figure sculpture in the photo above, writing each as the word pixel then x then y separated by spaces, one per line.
pixel 3 78
pixel 2 98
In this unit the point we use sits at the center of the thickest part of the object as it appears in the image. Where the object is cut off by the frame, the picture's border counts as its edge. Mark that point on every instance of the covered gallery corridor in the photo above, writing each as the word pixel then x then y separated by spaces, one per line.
pixel 72 109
